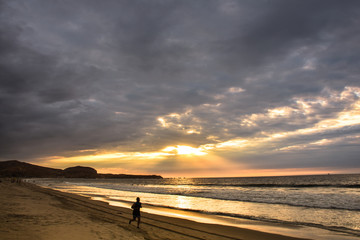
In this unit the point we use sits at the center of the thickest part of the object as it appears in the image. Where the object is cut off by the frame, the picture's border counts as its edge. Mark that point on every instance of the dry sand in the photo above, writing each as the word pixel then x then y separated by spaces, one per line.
pixel 34 213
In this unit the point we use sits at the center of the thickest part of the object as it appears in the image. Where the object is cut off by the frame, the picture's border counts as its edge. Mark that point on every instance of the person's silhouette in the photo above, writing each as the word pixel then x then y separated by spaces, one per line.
pixel 136 211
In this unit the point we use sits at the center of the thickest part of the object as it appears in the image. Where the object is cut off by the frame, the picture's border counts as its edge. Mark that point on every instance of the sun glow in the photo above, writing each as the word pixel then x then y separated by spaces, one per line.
pixel 211 158
pixel 184 150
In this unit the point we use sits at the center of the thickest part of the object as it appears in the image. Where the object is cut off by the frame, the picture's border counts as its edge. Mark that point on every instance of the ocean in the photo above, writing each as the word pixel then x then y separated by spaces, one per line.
pixel 330 202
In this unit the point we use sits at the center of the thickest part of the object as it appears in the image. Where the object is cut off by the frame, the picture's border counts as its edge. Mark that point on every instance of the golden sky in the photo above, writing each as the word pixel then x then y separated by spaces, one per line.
pixel 182 88
pixel 210 159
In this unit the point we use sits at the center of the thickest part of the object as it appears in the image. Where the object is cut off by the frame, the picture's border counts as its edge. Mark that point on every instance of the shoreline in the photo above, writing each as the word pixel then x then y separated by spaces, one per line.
pixel 189 209
pixel 31 212
pixel 286 229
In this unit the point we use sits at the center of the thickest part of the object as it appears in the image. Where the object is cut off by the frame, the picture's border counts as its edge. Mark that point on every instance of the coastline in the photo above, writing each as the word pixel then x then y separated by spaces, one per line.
pixel 32 212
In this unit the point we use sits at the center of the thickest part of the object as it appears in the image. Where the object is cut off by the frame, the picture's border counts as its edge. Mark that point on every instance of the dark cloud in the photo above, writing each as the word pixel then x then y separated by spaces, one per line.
pixel 280 26
pixel 78 75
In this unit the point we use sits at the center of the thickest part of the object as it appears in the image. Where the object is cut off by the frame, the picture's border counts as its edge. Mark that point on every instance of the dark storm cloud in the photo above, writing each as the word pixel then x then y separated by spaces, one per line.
pixel 282 25
pixel 282 36
pixel 78 75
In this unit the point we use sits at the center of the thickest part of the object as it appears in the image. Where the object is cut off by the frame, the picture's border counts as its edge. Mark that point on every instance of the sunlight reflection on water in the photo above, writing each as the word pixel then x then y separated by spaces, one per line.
pixel 286 202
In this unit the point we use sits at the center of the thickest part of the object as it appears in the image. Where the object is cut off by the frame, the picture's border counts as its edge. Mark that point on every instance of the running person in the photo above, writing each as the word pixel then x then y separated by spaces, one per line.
pixel 136 211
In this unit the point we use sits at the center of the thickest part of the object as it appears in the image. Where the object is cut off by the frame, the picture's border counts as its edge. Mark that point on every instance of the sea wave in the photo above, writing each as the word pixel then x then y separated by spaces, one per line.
pixel 265 200
pixel 331 208
pixel 319 200
pixel 272 185
pixel 291 185
pixel 260 218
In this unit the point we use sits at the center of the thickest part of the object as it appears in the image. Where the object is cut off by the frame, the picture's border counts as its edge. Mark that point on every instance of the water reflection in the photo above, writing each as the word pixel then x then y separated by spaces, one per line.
pixel 183 202
pixel 170 193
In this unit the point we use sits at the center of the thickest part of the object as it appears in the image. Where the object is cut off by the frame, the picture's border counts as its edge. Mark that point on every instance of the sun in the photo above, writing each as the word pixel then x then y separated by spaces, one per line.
pixel 184 150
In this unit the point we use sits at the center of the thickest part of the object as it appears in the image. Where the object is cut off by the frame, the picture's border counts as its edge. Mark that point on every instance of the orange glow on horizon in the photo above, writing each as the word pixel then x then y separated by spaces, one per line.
pixel 209 159
pixel 203 166
pixel 264 172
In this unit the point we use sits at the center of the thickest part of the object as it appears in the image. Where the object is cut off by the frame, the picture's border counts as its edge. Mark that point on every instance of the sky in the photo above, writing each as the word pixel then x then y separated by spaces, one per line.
pixel 182 88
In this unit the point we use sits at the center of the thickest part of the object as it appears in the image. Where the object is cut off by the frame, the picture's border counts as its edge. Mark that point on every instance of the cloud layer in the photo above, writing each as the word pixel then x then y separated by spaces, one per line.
pixel 255 85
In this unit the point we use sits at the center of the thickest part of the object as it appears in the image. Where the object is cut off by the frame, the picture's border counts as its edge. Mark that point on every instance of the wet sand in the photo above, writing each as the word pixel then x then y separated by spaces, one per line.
pixel 30 212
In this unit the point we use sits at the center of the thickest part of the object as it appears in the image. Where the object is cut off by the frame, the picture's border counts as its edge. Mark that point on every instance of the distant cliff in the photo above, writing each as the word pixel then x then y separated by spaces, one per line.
pixel 80 172
pixel 14 168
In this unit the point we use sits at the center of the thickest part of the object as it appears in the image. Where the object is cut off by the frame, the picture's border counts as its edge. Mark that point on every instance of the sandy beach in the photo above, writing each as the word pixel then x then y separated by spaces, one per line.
pixel 31 212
